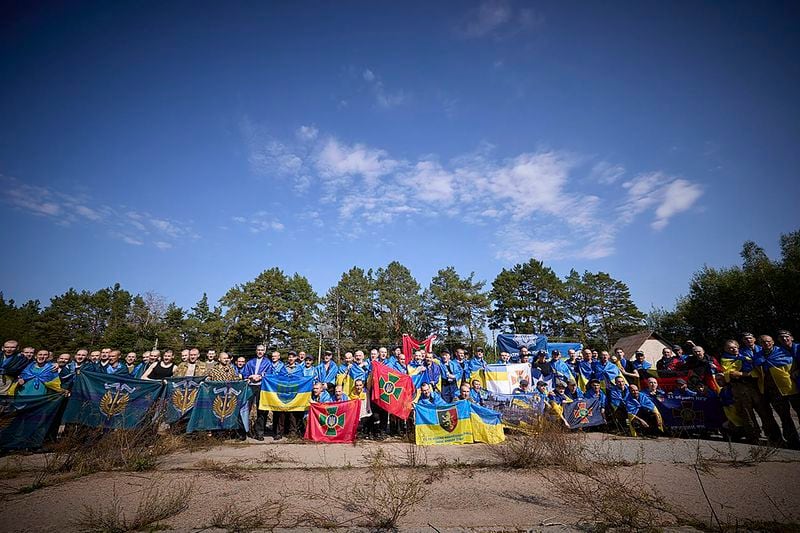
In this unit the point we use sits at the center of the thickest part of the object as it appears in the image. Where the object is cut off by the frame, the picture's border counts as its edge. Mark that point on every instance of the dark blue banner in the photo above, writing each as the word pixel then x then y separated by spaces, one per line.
pixel 512 343
pixel 583 413
pixel 683 413
pixel 25 421
pixel 179 397
pixel 104 400
pixel 516 409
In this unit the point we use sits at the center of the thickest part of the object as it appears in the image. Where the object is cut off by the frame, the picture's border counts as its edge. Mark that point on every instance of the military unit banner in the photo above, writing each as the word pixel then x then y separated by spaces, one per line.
pixel 507 342
pixel 221 405
pixel 333 422
pixel 392 391
pixel 462 422
pixel 516 410
pixel 503 379
pixel 683 413
pixel 25 422
pixel 103 400
pixel 179 397
pixel 583 413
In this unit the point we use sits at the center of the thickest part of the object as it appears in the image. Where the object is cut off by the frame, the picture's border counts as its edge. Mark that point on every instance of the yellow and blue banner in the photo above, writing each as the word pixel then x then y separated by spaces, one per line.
pixel 448 424
pixel 280 392
pixel 486 425
pixel 503 379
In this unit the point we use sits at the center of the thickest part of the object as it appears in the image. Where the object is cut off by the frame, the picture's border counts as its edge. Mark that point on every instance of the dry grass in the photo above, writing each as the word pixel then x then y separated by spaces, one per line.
pixel 544 444
pixel 156 503
pixel 265 516
pixel 225 470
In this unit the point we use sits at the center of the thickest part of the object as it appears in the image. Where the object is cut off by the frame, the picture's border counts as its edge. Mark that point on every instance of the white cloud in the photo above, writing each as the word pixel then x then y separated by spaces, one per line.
pixel 64 209
pixel 536 201
pixel 162 245
pixel 369 76
pixel 679 196
pixel 497 18
pixel 307 133
pixel 383 97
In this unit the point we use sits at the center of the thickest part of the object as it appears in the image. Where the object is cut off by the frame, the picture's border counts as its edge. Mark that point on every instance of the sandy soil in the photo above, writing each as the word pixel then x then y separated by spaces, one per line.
pixel 475 494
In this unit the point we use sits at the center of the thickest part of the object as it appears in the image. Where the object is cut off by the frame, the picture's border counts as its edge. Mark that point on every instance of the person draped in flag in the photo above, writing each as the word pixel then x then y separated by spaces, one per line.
pixel 616 401
pixel 477 392
pixel 74 367
pixel 327 371
pixel 39 377
pixel 319 393
pixel 254 371
pixel 343 370
pixel 292 366
pixel 433 372
pixel 392 361
pixel 451 373
pixel 749 347
pixel 276 365
pixel 561 369
pixel 653 391
pixel 505 358
pixel 11 363
pixel 559 394
pixel 339 394
pixel 595 391
pixel 361 367
pixel 308 368
pixel 642 413
pixel 585 369
pixel 429 397
pixel 605 371
pixel 115 366
pixel 464 393
pixel 777 385
pixel 475 365
pixel 139 369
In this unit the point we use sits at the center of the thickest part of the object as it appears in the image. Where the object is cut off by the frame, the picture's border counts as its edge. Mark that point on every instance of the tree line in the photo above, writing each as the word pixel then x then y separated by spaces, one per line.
pixel 365 308
pixel 368 308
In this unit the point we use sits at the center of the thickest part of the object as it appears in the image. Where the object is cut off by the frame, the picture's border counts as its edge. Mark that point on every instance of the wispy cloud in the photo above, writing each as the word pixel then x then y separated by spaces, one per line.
pixel 496 18
pixel 383 97
pixel 259 222
pixel 537 202
pixel 131 227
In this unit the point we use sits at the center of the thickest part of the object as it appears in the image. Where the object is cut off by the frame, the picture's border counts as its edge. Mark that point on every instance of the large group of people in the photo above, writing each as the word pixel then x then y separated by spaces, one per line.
pixel 753 379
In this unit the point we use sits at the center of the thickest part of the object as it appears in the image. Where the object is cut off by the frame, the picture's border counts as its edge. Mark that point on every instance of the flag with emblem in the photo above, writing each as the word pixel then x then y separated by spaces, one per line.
pixel 282 392
pixel 391 390
pixel 25 421
pixel 105 400
pixel 179 397
pixel 221 405
pixel 503 379
pixel 333 422
pixel 446 424
pixel 583 413
pixel 410 345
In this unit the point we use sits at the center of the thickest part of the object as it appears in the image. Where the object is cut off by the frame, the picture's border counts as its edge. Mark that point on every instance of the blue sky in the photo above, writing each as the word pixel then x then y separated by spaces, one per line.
pixel 183 148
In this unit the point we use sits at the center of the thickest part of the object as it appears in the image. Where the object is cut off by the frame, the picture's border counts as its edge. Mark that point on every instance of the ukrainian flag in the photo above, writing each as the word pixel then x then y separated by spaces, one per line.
pixel 486 425
pixel 281 392
pixel 446 424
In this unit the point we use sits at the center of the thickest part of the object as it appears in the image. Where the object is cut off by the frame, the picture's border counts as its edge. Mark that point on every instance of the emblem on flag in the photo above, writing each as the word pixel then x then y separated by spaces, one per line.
pixel 389 389
pixel 448 419
pixel 332 421
pixel 184 395
pixel 114 404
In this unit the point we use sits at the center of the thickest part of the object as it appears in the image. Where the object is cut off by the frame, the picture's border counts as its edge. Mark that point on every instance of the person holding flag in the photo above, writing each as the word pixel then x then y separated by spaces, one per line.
pixel 452 374
pixel 429 397
pixel 595 391
pixel 643 414
pixel 473 367
pixel 38 378
pixel 115 366
pixel 561 369
pixel 605 371
pixel 254 371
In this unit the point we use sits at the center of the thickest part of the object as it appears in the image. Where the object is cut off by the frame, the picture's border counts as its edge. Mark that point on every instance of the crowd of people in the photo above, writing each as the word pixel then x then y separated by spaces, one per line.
pixel 753 380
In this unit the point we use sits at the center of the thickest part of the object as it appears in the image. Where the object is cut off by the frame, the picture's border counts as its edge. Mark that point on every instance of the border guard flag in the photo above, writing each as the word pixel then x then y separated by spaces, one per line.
pixel 392 391
pixel 410 344
pixel 447 424
pixel 221 405
pixel 25 421
pixel 486 425
pixel 333 422
pixel 105 400
pixel 280 392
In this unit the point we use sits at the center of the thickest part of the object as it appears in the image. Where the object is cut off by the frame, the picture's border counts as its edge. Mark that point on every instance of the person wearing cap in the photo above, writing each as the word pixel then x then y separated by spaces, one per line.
pixel 475 364
pixel 638 362
pixel 595 391
pixel 678 351
pixel 559 394
pixel 572 390
pixel 682 389
pixel 541 366
pixel 561 369
pixel 327 371
pixel 668 361
pixel 542 391
pixel 452 373
pixel 308 368
pixel 522 388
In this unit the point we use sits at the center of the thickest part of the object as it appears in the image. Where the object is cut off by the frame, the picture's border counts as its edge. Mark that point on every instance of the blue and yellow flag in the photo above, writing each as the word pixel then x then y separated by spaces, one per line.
pixel 103 400
pixel 179 397
pixel 448 424
pixel 285 393
pixel 503 379
pixel 25 421
pixel 221 405
pixel 486 425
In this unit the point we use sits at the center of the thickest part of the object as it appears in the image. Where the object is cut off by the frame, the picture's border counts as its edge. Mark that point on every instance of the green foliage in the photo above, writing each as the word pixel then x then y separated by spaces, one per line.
pixel 399 301
pixel 457 308
pixel 350 312
pixel 273 309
